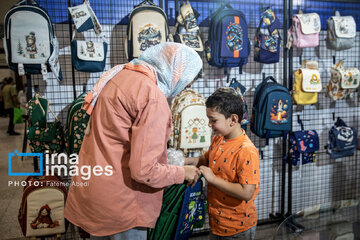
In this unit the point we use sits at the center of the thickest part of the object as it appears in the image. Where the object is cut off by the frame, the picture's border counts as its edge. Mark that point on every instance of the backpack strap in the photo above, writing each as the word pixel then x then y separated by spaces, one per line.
pixel 340 123
pixel 269 78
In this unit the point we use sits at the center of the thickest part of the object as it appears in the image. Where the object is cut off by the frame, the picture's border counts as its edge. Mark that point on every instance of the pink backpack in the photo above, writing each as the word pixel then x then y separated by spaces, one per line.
pixel 304 31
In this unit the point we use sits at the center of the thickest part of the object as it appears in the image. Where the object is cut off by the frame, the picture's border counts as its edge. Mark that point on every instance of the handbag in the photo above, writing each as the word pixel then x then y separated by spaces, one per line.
pixel 18 115
pixel 88 56
pixel 84 18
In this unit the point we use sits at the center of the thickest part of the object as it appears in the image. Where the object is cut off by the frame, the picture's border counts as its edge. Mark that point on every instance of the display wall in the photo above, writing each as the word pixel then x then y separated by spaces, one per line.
pixel 284 189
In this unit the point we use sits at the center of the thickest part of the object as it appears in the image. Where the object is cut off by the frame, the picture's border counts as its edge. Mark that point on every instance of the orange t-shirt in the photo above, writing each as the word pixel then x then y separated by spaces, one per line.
pixel 237 161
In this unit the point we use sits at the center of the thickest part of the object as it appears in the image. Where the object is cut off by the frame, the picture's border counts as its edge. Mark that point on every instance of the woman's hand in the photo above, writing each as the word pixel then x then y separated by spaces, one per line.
pixel 192 174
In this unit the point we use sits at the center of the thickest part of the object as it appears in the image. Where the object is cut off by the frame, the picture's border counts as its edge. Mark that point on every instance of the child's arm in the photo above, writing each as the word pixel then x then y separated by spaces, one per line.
pixel 196 161
pixel 237 190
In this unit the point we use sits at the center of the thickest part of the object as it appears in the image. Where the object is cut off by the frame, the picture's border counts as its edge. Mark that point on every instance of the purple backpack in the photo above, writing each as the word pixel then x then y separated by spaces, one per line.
pixel 304 31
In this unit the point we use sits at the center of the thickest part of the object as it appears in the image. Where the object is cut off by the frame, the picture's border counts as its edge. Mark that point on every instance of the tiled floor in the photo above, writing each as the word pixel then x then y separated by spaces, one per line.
pixel 10 196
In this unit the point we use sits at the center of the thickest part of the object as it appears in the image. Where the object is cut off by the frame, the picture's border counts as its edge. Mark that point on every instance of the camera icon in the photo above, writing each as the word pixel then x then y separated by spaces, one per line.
pixel 15 153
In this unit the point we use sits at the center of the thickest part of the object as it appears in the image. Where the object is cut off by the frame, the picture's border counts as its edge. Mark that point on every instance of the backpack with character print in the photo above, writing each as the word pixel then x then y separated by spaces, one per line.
pixel 271 115
pixel 228 44
pixel 190 130
pixel 343 82
pixel 30 43
pixel 41 211
pixel 147 27
pixel 342 140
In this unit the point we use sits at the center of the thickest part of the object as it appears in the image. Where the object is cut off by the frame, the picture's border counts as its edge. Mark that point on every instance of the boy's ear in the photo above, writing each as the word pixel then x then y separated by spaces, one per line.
pixel 234 118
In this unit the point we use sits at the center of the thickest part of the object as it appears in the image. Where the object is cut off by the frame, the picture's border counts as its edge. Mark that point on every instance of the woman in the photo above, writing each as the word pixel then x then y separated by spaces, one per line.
pixel 129 129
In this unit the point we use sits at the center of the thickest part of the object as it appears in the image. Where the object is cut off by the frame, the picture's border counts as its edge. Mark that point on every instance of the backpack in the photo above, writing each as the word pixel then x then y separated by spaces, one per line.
pixel 41 211
pixel 267 40
pixel 182 210
pixel 342 140
pixel 228 44
pixel 147 27
pixel 307 83
pixel 43 135
pixel 189 130
pixel 30 44
pixel 271 115
pixel 76 123
pixel 241 90
pixel 341 32
pixel 343 82
pixel 303 145
pixel 188 32
pixel 304 31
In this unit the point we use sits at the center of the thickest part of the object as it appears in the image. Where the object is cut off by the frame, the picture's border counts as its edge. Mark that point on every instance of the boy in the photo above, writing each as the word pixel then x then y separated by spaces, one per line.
pixel 231 167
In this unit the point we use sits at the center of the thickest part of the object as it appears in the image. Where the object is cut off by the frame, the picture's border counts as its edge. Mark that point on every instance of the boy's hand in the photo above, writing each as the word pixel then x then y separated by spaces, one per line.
pixel 208 174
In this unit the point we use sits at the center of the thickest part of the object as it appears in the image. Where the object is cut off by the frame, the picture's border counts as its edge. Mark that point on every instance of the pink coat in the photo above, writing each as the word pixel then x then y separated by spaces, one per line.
pixel 130 126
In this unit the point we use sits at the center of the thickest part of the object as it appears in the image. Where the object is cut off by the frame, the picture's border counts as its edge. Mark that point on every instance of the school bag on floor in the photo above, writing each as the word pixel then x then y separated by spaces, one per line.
pixel 30 43
pixel 341 32
pixel 147 27
pixel 342 140
pixel 228 44
pixel 304 31
pixel 307 83
pixel 241 90
pixel 303 145
pixel 182 210
pixel 41 211
pixel 267 39
pixel 76 123
pixel 190 130
pixel 343 82
pixel 271 115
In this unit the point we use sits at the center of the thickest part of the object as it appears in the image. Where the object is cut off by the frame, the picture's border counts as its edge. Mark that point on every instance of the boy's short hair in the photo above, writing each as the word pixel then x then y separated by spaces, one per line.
pixel 226 101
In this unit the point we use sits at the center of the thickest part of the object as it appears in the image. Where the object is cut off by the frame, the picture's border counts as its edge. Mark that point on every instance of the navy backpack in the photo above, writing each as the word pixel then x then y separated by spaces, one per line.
pixel 342 140
pixel 241 90
pixel 271 112
pixel 228 44
pixel 267 38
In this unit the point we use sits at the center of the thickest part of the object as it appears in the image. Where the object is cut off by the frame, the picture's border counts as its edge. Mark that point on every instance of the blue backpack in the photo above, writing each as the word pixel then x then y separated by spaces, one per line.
pixel 303 145
pixel 342 140
pixel 241 90
pixel 267 38
pixel 228 44
pixel 271 112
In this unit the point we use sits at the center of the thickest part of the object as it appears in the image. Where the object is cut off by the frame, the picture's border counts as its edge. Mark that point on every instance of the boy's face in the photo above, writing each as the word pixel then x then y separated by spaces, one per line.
pixel 219 124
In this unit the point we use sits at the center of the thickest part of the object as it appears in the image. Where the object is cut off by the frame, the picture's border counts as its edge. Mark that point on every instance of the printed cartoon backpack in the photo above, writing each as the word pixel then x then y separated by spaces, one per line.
pixel 307 83
pixel 241 90
pixel 303 145
pixel 304 31
pixel 182 210
pixel 190 130
pixel 30 44
pixel 147 27
pixel 228 44
pixel 341 32
pixel 188 32
pixel 267 39
pixel 271 113
pixel 76 123
pixel 343 82
pixel 41 211
pixel 342 140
